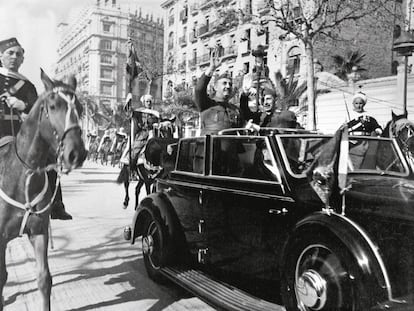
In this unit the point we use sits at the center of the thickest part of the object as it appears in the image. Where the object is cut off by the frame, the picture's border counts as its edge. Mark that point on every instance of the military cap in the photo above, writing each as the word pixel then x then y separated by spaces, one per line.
pixel 7 44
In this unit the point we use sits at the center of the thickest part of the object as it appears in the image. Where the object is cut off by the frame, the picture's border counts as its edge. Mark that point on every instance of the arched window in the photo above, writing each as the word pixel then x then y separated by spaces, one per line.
pixel 293 61
pixel 171 41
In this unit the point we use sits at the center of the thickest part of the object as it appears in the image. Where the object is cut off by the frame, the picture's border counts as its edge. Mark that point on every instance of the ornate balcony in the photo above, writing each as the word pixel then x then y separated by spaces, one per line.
pixel 192 63
pixel 184 15
pixel 194 8
pixel 182 66
pixel 203 60
pixel 230 52
pixel 203 31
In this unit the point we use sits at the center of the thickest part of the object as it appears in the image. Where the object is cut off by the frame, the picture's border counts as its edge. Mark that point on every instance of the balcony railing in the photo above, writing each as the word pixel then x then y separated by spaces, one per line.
pixel 182 41
pixel 194 8
pixel 205 4
pixel 229 52
pixel 203 60
pixel 203 31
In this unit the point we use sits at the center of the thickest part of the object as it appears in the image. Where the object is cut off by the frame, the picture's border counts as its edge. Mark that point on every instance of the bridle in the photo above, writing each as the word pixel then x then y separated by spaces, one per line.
pixel 70 124
pixel 397 127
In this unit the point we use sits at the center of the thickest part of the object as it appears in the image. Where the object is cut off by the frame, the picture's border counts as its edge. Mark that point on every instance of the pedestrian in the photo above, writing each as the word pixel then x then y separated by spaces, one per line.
pixel 360 122
pixel 17 96
pixel 216 113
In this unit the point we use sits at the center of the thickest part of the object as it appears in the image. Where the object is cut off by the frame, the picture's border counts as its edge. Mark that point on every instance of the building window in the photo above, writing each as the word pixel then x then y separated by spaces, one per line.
pixel 106 27
pixel 106 89
pixel 106 45
pixel 293 62
pixel 171 41
pixel 106 73
pixel 106 59
pixel 246 67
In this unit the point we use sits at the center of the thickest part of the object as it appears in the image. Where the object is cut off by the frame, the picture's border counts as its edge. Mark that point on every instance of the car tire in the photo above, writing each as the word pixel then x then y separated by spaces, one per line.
pixel 155 248
pixel 319 273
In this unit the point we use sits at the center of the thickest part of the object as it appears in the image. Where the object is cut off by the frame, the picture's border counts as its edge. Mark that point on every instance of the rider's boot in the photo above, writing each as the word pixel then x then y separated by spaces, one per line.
pixel 58 211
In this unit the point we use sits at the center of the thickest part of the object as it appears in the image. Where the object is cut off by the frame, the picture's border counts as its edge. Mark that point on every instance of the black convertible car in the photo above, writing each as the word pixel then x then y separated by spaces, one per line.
pixel 238 224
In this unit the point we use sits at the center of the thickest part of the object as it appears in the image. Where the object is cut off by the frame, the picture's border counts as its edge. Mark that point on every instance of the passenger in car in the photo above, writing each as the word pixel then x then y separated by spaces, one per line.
pixel 216 113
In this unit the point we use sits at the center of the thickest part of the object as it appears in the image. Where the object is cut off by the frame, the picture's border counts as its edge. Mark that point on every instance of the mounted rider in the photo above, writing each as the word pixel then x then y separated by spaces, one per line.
pixel 143 121
pixel 17 93
pixel 360 122
pixel 17 96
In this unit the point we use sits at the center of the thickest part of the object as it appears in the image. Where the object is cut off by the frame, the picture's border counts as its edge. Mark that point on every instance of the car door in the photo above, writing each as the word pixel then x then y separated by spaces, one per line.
pixel 245 207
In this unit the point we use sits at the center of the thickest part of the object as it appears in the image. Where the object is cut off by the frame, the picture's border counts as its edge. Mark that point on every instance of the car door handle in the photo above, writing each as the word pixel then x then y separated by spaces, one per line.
pixel 278 211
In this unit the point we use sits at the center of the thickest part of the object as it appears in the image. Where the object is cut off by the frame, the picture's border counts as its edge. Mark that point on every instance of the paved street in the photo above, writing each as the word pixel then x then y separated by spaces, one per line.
pixel 93 268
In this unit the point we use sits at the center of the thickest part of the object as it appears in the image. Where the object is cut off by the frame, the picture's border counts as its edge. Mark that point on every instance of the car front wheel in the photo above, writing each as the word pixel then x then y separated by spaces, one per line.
pixel 320 274
pixel 154 248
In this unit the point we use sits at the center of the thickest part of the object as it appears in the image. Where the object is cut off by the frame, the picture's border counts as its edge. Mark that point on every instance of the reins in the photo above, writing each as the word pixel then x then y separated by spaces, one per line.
pixel 29 206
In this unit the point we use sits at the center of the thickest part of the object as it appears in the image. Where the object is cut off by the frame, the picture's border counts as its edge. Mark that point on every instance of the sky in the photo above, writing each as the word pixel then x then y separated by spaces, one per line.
pixel 34 24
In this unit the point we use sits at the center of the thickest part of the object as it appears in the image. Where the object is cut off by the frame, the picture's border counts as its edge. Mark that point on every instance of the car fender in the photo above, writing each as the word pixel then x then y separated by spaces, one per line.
pixel 358 243
pixel 159 207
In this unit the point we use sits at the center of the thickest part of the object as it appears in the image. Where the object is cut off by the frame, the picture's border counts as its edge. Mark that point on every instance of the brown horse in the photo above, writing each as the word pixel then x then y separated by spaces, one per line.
pixel 52 126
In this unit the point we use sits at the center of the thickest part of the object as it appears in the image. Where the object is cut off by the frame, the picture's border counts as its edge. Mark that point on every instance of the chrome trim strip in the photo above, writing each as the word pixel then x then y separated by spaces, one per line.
pixel 374 250
pixel 243 192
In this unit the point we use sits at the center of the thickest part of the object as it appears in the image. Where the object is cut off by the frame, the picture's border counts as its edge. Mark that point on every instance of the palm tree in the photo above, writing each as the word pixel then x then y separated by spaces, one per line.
pixel 288 90
pixel 345 64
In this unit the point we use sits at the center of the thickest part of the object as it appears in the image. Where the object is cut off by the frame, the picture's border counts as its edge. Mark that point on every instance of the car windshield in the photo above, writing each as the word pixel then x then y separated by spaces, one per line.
pixel 366 154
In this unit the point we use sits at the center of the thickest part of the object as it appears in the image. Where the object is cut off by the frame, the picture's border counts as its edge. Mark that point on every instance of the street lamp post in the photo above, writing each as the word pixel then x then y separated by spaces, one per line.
pixel 404 46
pixel 259 55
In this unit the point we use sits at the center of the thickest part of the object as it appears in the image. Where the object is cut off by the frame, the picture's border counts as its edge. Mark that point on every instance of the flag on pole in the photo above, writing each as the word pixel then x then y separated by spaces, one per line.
pixel 328 172
pixel 133 66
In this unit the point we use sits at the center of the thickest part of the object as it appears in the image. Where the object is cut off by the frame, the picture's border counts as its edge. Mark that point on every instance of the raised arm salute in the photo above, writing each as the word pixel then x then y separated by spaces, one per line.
pixel 216 112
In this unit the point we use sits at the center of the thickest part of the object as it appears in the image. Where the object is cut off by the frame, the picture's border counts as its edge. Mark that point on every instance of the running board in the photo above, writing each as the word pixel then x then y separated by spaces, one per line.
pixel 216 293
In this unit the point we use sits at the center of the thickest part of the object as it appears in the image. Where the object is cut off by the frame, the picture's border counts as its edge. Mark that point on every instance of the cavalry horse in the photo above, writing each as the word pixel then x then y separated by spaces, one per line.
pixel 156 161
pixel 402 130
pixel 52 126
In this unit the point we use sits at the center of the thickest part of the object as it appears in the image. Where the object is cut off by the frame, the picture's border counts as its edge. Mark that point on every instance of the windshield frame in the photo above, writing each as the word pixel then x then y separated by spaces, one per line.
pixel 398 150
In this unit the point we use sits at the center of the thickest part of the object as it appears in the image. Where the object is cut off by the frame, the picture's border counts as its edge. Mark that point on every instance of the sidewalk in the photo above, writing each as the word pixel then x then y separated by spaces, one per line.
pixel 93 268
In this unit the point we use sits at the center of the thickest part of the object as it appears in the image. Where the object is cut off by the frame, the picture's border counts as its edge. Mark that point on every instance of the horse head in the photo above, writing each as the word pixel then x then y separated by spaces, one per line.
pixel 403 130
pixel 59 121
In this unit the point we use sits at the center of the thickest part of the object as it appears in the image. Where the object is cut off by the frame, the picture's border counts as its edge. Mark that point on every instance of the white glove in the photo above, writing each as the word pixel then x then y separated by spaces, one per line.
pixel 16 103
pixel 252 126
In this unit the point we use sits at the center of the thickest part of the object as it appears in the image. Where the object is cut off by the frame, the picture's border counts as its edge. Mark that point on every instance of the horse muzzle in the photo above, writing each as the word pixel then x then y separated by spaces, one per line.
pixel 74 152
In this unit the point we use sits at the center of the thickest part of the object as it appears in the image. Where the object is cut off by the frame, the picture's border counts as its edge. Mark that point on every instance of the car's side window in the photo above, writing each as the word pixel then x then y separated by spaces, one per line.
pixel 244 157
pixel 191 156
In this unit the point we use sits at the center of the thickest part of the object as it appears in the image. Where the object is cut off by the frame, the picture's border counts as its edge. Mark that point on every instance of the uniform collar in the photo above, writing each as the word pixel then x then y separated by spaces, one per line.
pixel 12 74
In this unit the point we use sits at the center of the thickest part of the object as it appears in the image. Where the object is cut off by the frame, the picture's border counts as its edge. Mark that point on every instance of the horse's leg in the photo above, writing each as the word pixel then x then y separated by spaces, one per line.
pixel 3 271
pixel 126 186
pixel 44 279
pixel 137 191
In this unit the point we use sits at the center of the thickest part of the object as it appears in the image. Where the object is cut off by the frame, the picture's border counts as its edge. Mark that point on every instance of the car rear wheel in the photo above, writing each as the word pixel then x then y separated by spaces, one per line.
pixel 320 274
pixel 154 248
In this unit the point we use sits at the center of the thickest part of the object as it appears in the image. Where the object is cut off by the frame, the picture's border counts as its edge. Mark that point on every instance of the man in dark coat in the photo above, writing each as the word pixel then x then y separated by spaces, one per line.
pixel 17 96
pixel 216 113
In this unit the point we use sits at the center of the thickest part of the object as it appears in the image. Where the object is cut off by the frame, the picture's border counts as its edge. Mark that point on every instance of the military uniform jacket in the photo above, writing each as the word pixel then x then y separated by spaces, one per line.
pixel 362 124
pixel 215 116
pixel 9 86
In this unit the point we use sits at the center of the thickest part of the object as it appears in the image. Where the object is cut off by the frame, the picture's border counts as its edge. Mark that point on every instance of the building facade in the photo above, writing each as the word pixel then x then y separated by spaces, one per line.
pixel 193 27
pixel 93 47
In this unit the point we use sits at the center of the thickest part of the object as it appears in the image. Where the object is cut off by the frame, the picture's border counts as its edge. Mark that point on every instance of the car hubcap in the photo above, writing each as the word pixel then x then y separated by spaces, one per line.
pixel 311 290
pixel 147 245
